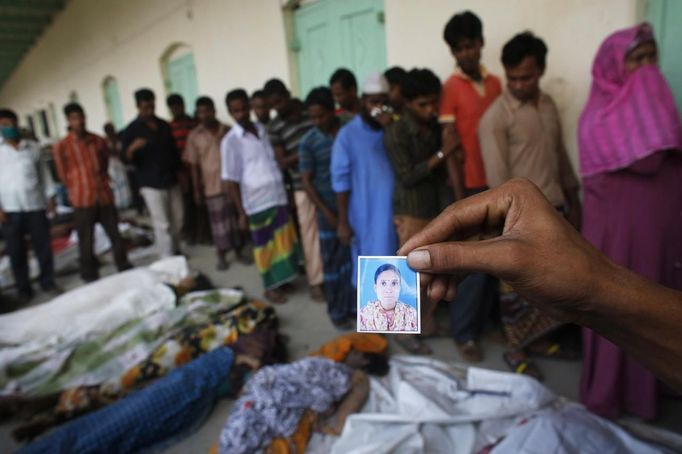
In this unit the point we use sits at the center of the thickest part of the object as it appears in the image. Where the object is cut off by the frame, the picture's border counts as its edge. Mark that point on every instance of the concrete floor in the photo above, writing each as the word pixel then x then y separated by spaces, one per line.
pixel 308 326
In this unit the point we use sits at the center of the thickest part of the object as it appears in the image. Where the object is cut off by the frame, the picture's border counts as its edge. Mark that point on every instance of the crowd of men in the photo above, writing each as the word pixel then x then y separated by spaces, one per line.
pixel 351 170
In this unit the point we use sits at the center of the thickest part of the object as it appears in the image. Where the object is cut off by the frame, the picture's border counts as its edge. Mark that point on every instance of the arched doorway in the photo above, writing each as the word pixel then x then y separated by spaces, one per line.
pixel 112 101
pixel 179 73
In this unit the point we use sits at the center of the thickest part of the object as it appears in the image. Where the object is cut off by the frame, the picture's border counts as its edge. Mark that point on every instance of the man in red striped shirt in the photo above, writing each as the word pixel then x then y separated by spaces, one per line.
pixel 81 159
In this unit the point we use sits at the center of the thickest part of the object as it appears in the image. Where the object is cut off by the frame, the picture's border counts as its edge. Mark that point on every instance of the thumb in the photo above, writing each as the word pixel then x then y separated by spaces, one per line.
pixel 490 256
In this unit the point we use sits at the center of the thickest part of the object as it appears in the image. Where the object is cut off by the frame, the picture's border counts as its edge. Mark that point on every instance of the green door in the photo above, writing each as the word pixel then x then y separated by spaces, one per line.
pixel 666 17
pixel 330 34
pixel 182 79
pixel 112 100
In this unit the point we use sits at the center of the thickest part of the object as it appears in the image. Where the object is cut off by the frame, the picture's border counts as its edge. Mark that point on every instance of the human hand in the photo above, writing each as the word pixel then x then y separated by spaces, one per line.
pixel 514 233
pixel 344 233
pixel 330 217
pixel 3 217
pixel 243 223
pixel 138 144
pixel 384 119
pixel 51 207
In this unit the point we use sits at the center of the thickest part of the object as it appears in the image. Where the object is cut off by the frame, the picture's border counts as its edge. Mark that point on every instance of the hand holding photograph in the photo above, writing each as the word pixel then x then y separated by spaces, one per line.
pixel 388 296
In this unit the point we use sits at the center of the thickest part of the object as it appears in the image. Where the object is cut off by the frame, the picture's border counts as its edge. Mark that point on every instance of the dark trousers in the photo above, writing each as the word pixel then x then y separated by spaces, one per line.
pixel 477 296
pixel 35 225
pixel 85 220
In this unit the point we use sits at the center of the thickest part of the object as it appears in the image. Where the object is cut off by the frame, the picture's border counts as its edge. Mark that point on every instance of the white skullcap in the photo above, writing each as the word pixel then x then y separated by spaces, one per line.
pixel 375 84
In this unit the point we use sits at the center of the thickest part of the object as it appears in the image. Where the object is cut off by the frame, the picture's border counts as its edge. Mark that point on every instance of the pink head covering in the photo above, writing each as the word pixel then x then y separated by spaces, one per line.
pixel 628 116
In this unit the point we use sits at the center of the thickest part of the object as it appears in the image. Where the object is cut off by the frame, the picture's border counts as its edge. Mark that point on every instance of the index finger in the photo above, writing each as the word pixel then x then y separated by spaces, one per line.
pixel 463 219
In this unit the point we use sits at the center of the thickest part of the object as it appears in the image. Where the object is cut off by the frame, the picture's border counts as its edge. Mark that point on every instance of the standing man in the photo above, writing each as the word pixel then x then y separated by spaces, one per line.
pixel 418 159
pixel 123 196
pixel 26 193
pixel 285 132
pixel 344 87
pixel 82 161
pixel 148 144
pixel 116 147
pixel 260 107
pixel 363 180
pixel 394 76
pixel 465 97
pixel 195 222
pixel 521 137
pixel 255 184
pixel 315 157
pixel 203 153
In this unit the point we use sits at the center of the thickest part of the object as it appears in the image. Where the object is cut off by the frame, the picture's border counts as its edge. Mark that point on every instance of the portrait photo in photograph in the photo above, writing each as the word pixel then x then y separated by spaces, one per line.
pixel 388 296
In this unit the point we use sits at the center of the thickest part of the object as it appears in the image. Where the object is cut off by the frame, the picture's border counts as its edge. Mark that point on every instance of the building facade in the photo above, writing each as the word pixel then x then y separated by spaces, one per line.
pixel 100 52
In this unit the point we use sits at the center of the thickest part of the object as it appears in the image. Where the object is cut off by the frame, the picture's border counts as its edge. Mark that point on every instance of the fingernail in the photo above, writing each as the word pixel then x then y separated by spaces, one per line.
pixel 420 259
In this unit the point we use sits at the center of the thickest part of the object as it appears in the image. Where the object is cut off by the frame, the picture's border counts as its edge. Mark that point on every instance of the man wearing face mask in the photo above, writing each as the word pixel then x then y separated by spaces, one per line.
pixel 363 179
pixel 26 193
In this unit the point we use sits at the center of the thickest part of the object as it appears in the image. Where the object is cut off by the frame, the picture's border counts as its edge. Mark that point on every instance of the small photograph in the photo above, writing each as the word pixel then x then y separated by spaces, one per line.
pixel 388 296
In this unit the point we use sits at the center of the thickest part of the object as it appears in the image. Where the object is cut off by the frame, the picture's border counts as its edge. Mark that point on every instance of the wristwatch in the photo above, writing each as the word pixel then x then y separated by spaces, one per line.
pixel 440 155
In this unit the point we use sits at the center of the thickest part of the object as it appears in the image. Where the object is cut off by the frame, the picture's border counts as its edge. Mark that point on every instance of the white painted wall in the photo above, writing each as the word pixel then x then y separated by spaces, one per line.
pixel 572 30
pixel 242 43
pixel 236 43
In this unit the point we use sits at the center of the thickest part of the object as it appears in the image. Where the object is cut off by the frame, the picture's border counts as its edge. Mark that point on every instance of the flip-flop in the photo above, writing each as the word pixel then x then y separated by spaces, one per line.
pixel 555 351
pixel 275 297
pixel 413 345
pixel 523 366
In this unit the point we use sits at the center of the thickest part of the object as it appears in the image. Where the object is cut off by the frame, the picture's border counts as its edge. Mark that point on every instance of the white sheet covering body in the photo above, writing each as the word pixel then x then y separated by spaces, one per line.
pixel 426 406
pixel 101 305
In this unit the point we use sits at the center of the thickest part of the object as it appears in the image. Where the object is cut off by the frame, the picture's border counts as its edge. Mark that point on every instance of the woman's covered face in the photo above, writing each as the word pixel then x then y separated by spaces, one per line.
pixel 387 288
pixel 644 54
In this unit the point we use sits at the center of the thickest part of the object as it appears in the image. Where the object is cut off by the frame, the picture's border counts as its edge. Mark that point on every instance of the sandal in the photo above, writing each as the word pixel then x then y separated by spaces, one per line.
pixel 522 365
pixel 554 351
pixel 275 297
pixel 413 344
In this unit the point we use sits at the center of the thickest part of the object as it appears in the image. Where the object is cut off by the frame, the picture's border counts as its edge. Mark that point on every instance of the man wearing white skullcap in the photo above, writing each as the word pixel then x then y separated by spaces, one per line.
pixel 362 178
pixel 375 84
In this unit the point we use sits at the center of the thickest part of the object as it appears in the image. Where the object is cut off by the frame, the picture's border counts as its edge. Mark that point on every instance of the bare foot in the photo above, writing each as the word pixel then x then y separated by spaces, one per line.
pixel 317 294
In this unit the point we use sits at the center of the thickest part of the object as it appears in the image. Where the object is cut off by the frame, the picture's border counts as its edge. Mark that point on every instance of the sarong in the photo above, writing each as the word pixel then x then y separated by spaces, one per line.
pixel 224 224
pixel 522 322
pixel 336 262
pixel 275 246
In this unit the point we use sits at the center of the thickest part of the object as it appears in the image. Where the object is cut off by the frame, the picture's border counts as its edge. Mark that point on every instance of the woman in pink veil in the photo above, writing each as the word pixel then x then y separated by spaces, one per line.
pixel 630 141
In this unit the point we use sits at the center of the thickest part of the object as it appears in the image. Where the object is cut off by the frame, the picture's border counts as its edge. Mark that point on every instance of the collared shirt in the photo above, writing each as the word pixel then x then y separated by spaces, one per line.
pixel 181 129
pixel 464 101
pixel 420 192
pixel 82 165
pixel 360 166
pixel 524 140
pixel 315 156
pixel 157 163
pixel 249 160
pixel 25 181
pixel 288 134
pixel 203 149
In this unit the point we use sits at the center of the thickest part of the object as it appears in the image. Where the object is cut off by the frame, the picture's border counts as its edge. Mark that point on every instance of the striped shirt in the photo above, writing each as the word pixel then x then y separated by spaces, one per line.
pixel 82 165
pixel 288 134
pixel 315 155
pixel 181 129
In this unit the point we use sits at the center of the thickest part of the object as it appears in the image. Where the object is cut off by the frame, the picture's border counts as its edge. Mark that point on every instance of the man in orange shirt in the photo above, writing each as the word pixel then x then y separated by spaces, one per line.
pixel 81 160
pixel 465 97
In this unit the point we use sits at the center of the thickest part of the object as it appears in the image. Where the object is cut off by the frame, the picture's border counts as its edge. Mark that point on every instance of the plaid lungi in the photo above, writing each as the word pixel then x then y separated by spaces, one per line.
pixel 224 223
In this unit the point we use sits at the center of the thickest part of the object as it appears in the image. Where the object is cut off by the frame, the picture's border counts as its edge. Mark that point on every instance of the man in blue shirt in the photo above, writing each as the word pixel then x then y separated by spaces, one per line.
pixel 315 152
pixel 363 180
